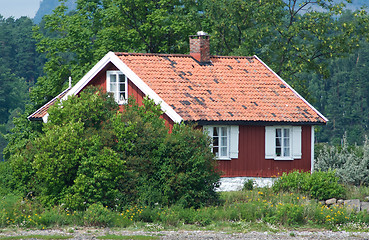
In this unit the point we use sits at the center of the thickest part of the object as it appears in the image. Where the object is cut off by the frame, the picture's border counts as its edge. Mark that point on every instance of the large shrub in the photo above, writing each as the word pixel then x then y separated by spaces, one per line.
pixel 350 162
pixel 319 185
pixel 88 153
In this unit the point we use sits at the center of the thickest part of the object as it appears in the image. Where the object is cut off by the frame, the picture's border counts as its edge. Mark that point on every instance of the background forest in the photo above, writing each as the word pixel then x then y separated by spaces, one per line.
pixel 319 47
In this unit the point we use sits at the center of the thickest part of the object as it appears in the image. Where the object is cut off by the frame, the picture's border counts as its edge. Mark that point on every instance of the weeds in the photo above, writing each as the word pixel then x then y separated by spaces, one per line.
pixel 241 211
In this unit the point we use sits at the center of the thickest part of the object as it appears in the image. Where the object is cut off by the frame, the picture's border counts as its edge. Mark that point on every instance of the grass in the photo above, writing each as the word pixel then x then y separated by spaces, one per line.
pixel 354 192
pixel 253 210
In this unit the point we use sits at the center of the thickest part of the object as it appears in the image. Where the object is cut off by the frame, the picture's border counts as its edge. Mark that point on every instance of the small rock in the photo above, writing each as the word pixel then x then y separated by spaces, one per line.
pixel 352 204
pixel 364 206
pixel 331 201
pixel 367 198
pixel 340 201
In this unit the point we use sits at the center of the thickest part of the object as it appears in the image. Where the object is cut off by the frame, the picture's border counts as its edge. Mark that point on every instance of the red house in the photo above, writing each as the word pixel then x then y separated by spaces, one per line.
pixel 260 126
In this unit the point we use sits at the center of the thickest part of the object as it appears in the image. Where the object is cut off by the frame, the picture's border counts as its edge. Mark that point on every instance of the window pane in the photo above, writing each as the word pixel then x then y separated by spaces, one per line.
pixel 113 78
pixel 122 87
pixel 223 151
pixel 122 78
pixel 278 151
pixel 278 142
pixel 286 142
pixel 286 152
pixel 278 133
pixel 113 86
pixel 215 132
pixel 224 131
pixel 216 151
pixel 286 133
pixel 215 141
pixel 223 141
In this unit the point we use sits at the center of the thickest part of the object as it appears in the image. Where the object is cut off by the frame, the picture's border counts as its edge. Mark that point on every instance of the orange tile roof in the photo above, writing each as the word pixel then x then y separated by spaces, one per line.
pixel 227 89
pixel 42 111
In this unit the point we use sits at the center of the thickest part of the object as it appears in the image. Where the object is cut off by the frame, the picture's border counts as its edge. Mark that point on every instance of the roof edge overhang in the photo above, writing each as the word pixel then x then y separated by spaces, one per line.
pixel 296 93
pixel 111 57
pixel 254 123
pixel 45 117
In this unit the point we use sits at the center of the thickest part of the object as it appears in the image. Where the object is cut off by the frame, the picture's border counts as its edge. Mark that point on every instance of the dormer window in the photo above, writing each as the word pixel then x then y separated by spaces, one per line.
pixel 116 83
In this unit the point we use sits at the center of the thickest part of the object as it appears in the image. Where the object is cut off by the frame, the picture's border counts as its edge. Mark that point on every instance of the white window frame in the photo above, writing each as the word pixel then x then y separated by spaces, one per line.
pixel 294 142
pixel 283 145
pixel 116 93
pixel 232 140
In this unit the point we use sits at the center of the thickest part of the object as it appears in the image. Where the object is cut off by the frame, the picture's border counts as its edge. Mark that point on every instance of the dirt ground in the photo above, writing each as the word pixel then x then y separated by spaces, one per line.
pixel 94 233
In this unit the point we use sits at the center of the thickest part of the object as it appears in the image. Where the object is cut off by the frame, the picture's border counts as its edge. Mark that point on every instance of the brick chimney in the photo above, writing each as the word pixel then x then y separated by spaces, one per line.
pixel 199 47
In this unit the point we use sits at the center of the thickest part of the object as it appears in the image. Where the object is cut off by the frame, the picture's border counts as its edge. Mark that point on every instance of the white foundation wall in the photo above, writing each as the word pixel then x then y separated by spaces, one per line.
pixel 236 183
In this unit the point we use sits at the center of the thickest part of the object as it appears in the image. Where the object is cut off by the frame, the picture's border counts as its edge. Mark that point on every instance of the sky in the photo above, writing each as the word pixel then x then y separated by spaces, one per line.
pixel 18 8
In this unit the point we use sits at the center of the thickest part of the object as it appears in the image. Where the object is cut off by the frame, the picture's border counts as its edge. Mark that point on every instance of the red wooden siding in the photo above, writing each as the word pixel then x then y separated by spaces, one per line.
pixel 252 162
pixel 100 81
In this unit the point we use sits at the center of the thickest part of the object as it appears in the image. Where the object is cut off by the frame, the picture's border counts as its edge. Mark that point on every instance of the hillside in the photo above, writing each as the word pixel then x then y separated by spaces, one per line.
pixel 47 6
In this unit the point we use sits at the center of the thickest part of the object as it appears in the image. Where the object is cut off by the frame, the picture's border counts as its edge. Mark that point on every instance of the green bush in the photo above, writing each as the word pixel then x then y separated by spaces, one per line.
pixel 88 153
pixel 97 215
pixel 6 178
pixel 351 163
pixel 319 185
pixel 248 185
pixel 289 214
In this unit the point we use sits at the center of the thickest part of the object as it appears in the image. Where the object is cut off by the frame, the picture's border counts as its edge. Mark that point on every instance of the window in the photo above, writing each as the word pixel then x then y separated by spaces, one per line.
pixel 283 142
pixel 117 85
pixel 225 141
pixel 220 142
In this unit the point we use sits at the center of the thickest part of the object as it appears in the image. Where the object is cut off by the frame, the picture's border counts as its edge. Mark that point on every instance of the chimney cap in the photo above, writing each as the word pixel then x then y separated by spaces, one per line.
pixel 202 33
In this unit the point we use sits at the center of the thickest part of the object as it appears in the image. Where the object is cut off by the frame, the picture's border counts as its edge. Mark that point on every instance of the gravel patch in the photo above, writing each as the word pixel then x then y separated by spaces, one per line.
pixel 93 233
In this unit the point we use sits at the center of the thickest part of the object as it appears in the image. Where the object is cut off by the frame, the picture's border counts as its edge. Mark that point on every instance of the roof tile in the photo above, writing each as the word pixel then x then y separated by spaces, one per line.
pixel 228 89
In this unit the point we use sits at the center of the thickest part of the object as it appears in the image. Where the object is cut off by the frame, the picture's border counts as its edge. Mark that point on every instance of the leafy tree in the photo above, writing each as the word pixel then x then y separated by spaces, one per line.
pixel 18 48
pixel 290 36
pixel 20 66
pixel 88 152
pixel 342 98
pixel 74 41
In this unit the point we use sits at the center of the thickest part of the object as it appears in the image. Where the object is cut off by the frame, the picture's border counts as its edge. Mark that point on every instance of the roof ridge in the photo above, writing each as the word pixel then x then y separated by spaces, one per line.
pixel 246 57
pixel 175 55
pixel 152 54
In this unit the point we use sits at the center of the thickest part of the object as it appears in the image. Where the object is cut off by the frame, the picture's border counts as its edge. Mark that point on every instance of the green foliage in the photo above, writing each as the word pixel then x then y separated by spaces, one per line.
pixel 74 41
pixel 319 185
pixel 343 98
pixel 88 153
pixel 6 178
pixel 187 174
pixel 97 215
pixel 289 214
pixel 248 185
pixel 239 211
pixel 351 163
pixel 290 36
